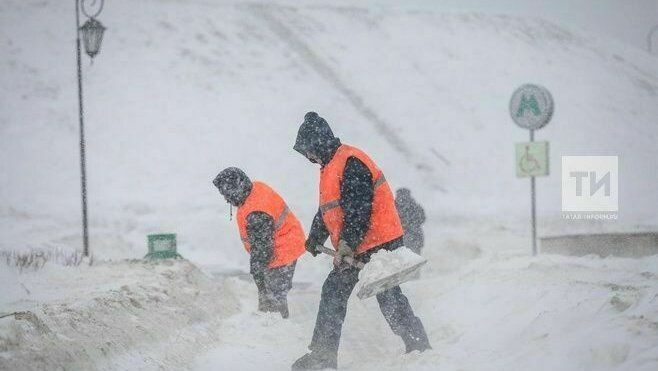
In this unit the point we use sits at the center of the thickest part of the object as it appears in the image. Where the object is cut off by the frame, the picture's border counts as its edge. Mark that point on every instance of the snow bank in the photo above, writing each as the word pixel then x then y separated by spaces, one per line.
pixel 124 315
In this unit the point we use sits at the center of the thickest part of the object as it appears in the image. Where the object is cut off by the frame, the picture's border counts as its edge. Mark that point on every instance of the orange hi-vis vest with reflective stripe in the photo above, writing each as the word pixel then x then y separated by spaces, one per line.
pixel 385 223
pixel 288 233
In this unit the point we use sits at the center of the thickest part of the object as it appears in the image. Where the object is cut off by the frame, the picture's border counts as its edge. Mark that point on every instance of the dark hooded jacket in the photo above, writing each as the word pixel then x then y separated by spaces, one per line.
pixel 236 186
pixel 316 141
pixel 412 217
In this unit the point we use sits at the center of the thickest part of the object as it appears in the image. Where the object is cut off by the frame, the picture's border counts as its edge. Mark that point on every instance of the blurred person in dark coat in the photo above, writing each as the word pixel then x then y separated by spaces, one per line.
pixel 412 217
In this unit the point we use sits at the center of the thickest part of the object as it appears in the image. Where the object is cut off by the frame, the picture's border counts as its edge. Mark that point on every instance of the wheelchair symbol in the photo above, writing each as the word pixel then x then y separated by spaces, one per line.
pixel 528 163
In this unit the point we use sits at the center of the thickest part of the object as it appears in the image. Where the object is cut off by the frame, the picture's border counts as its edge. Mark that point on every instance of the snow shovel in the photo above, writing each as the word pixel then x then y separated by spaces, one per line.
pixel 385 271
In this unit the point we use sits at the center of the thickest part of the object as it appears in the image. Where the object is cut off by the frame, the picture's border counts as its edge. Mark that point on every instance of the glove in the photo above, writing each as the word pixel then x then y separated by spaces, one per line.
pixel 310 247
pixel 343 251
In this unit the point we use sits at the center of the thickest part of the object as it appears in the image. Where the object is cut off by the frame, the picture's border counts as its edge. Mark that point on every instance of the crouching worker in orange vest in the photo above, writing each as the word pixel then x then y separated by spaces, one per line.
pixel 270 232
pixel 357 210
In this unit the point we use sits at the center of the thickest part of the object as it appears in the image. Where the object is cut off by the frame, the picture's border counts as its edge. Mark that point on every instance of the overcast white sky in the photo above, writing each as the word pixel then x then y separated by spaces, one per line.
pixel 626 20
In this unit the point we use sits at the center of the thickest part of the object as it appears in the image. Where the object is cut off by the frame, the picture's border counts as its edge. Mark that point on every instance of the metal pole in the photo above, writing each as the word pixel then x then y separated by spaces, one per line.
pixel 650 38
pixel 533 207
pixel 83 167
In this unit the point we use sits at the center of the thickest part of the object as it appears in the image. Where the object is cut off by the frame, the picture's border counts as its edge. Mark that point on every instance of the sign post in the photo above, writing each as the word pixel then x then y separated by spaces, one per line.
pixel 531 107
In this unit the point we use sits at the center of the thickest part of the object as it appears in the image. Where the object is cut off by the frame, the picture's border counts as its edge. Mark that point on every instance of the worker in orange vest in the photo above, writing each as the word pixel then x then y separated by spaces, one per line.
pixel 270 232
pixel 357 211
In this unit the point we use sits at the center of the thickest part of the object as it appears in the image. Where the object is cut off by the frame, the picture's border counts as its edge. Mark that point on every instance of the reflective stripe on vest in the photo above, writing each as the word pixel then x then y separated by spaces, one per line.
pixel 329 205
pixel 282 217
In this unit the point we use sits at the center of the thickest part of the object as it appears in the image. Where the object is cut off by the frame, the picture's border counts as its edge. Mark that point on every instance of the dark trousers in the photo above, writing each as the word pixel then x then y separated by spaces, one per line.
pixel 333 307
pixel 274 285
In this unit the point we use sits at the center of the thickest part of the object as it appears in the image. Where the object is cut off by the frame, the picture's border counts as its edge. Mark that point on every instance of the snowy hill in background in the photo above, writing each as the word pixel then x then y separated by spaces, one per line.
pixel 183 89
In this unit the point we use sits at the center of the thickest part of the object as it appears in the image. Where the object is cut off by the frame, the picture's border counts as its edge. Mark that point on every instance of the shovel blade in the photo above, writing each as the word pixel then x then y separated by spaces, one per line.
pixel 397 278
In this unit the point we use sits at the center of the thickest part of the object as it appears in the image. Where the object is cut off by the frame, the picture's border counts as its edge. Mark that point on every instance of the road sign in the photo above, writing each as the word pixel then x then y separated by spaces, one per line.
pixel 531 159
pixel 531 106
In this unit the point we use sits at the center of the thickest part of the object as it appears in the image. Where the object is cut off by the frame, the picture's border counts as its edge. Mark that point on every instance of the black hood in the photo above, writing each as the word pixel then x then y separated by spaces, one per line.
pixel 403 193
pixel 234 185
pixel 315 140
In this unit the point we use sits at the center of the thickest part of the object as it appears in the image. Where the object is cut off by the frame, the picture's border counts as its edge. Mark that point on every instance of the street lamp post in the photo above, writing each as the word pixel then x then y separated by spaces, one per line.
pixel 92 35
pixel 653 30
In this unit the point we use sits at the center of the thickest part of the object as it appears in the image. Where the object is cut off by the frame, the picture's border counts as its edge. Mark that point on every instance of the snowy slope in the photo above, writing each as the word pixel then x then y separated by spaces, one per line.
pixel 183 89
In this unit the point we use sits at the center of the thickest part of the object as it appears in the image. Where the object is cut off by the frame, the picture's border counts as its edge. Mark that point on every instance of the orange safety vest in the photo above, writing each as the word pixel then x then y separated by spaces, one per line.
pixel 288 233
pixel 385 223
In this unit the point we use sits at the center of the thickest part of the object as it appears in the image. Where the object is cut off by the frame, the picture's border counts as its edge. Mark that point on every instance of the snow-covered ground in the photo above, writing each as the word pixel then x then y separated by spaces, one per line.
pixel 182 89
pixel 485 307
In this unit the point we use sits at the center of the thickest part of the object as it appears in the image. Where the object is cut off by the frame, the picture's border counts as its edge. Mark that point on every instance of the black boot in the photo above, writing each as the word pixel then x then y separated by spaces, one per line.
pixel 420 345
pixel 416 338
pixel 316 360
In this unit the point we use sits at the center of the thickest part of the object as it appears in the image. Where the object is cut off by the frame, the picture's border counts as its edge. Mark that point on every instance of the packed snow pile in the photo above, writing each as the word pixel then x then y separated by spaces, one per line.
pixel 122 315
pixel 390 266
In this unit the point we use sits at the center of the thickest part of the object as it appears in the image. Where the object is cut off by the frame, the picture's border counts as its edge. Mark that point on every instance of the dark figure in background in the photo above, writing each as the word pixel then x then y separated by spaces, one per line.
pixel 357 210
pixel 271 234
pixel 412 217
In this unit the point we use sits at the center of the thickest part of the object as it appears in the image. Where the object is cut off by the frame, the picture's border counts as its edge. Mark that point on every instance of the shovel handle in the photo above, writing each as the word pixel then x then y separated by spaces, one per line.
pixel 349 260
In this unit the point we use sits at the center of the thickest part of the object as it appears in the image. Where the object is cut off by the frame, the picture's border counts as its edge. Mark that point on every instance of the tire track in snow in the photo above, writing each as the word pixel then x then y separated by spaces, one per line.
pixel 327 73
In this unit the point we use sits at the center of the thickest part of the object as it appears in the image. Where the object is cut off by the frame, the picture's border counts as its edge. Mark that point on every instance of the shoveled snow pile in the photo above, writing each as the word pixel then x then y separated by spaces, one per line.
pixel 123 315
pixel 389 268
